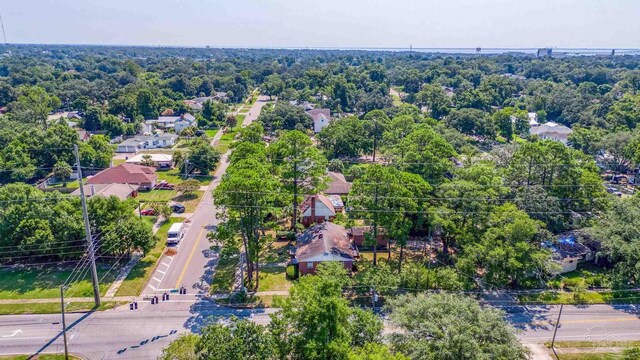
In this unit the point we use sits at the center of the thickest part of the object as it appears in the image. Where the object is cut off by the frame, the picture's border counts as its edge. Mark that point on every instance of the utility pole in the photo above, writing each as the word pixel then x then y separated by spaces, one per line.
pixel 64 323
pixel 555 330
pixel 87 230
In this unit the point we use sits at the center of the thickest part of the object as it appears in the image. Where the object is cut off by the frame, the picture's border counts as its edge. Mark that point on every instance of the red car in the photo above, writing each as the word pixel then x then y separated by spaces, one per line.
pixel 163 185
pixel 148 212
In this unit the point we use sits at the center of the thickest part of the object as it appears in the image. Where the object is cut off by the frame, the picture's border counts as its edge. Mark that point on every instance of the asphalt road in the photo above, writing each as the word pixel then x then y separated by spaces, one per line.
pixel 194 264
pixel 578 323
pixel 125 334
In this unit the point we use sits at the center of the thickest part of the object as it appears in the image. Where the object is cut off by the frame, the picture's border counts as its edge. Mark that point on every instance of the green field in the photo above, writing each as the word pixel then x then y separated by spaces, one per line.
pixel 135 282
pixel 222 282
pixel 211 133
pixel 44 282
pixel 587 297
pixel 38 357
pixel 53 308
pixel 273 278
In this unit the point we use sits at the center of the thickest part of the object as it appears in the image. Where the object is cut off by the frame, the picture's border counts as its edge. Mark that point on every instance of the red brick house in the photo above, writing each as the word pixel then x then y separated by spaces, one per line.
pixel 143 176
pixel 324 242
pixel 357 234
pixel 317 209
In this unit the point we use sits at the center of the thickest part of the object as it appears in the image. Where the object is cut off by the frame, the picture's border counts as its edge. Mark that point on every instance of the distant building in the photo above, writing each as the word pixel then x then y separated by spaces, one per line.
pixel 552 131
pixel 321 118
pixel 160 161
pixel 140 142
pixel 568 252
pixel 177 123
pixel 544 52
pixel 338 184
pixel 322 243
pixel 533 119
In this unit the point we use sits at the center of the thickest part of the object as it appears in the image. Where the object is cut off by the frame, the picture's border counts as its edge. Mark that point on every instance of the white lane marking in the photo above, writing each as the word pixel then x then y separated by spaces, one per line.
pixel 25 338
pixel 162 272
pixel 156 279
pixel 13 333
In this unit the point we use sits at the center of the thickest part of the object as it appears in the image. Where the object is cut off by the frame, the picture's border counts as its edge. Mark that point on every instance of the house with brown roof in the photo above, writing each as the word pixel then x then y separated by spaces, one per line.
pixel 143 176
pixel 338 185
pixel 324 242
pixel 121 191
pixel 317 209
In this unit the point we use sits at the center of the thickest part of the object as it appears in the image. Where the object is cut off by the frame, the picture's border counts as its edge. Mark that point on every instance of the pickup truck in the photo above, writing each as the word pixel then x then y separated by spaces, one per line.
pixel 163 185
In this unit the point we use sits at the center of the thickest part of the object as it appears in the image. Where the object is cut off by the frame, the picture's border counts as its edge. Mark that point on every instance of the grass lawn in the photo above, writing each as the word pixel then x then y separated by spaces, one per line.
pixel 175 177
pixel 54 308
pixel 211 133
pixel 117 162
pixel 276 252
pixel 135 282
pixel 190 201
pixel 240 119
pixel 44 282
pixel 587 297
pixel 156 195
pixel 587 274
pixel 588 356
pixel 71 185
pixel 593 344
pixel 273 278
pixel 38 357
pixel 223 278
pixel 255 301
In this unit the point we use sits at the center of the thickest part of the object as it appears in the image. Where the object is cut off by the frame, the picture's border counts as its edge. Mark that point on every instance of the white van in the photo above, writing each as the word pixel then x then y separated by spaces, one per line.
pixel 175 234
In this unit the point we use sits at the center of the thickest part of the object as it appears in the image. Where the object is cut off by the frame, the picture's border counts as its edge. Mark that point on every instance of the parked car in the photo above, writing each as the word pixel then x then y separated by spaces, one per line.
pixel 148 212
pixel 163 185
pixel 177 208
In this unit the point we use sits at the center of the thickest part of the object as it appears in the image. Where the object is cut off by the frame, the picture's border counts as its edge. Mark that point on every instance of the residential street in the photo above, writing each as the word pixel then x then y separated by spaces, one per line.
pixel 194 264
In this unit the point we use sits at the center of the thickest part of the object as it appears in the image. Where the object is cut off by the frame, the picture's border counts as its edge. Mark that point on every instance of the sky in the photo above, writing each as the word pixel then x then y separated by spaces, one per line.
pixel 327 23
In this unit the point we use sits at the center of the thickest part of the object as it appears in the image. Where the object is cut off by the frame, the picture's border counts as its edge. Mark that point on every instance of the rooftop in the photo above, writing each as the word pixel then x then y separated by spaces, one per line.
pixel 325 242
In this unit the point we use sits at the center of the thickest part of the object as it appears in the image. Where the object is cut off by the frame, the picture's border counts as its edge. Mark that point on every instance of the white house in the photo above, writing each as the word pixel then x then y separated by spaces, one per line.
pixel 162 161
pixel 178 123
pixel 147 142
pixel 552 131
pixel 321 118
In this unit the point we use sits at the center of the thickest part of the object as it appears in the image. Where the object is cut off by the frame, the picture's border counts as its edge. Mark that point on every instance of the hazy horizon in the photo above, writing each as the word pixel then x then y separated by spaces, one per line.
pixel 430 24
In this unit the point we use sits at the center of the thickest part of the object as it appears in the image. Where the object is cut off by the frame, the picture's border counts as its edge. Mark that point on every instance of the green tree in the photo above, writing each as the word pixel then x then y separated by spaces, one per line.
pixel 451 327
pixel 345 138
pixel 273 85
pixel 619 232
pixel 424 152
pixel 33 105
pixel 62 171
pixel 509 251
pixel 472 122
pixel 247 194
pixel 182 348
pixel 240 339
pixel 380 197
pixel 147 160
pixel 300 165
pixel 188 186
pixel 202 157
pixel 435 99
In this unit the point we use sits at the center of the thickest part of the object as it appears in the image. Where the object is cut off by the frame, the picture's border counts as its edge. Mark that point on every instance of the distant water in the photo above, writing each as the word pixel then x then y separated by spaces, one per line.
pixel 492 51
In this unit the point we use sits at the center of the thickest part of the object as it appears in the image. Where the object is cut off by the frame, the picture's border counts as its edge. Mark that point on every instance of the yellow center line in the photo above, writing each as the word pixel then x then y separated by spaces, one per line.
pixel 193 251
